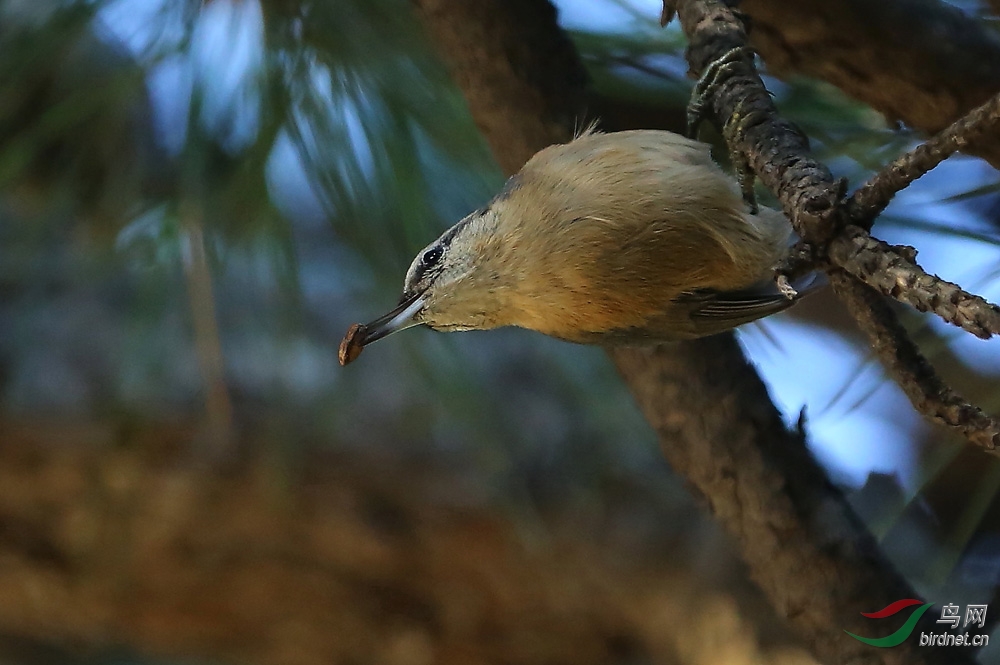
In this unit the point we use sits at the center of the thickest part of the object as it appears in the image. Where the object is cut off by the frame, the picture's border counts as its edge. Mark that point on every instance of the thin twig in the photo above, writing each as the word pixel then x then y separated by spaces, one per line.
pixel 874 196
pixel 910 369
pixel 892 271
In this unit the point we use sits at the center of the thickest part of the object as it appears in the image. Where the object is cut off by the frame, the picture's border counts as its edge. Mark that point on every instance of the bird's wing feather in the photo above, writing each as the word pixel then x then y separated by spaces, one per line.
pixel 717 311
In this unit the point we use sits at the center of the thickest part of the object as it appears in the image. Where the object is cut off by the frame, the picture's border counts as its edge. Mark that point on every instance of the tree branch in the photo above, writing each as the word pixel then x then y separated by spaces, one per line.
pixel 908 367
pixel 763 485
pixel 892 272
pixel 776 151
pixel 869 200
pixel 809 196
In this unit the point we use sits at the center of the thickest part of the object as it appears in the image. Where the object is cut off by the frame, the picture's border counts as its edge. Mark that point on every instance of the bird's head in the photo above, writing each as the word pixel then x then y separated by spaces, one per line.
pixel 451 285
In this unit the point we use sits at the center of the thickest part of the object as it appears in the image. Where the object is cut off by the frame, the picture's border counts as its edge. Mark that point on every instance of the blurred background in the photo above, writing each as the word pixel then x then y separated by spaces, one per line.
pixel 197 200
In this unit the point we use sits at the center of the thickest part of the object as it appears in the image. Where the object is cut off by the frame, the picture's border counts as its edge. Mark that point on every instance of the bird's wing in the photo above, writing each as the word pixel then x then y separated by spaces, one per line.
pixel 716 311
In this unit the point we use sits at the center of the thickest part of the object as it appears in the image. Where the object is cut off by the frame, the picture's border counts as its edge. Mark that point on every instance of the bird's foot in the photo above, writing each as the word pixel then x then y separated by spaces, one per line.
pixel 700 108
pixel 801 261
pixel 717 71
pixel 732 131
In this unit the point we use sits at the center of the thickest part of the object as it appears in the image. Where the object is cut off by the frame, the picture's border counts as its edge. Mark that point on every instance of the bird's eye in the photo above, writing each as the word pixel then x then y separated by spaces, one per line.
pixel 431 256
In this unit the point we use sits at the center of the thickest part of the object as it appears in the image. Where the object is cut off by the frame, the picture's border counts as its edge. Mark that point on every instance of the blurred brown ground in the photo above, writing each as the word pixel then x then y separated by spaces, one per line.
pixel 111 538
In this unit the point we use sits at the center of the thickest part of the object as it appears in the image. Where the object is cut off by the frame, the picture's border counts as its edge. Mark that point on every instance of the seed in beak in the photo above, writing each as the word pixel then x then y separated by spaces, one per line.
pixel 353 344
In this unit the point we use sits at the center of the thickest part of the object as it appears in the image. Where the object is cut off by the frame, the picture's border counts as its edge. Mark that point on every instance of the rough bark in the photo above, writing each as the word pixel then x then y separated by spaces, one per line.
pixel 922 62
pixel 717 425
pixel 804 547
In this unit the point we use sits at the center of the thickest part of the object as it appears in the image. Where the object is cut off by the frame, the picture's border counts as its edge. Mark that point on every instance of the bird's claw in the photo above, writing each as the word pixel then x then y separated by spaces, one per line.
pixel 717 71
pixel 801 260
pixel 785 287
pixel 700 107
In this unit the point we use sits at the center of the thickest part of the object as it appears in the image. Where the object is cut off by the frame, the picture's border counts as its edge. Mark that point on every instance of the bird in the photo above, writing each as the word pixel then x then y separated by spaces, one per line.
pixel 620 238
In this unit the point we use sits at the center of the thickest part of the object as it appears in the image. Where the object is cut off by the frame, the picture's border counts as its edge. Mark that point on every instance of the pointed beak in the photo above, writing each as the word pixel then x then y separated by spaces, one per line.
pixel 398 319
pixel 360 336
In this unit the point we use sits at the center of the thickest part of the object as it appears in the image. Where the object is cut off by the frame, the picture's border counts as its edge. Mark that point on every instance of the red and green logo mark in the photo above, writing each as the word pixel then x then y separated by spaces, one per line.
pixel 904 631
